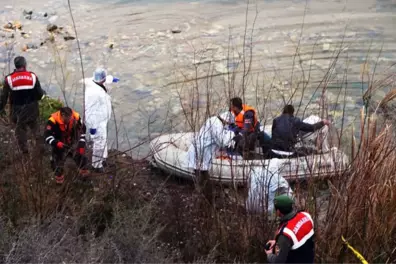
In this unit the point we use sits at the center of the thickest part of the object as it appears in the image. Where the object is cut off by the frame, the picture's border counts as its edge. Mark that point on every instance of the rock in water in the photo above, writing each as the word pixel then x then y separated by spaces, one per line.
pixel 24 34
pixel 9 25
pixel 51 27
pixel 17 25
pixel 68 37
pixel 25 12
pixel 110 44
pixel 176 31
pixel 31 46
pixel 326 46
pixel 12 25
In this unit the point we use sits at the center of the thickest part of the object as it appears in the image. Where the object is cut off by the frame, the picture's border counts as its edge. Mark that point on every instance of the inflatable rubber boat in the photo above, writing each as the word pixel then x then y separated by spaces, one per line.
pixel 169 153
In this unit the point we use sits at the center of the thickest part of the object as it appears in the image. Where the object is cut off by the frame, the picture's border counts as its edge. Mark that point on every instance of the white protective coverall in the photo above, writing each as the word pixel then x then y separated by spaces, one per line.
pixel 97 114
pixel 212 136
pixel 264 184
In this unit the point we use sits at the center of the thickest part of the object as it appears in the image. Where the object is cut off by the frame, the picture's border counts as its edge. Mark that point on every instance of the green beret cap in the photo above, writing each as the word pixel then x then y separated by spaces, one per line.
pixel 283 202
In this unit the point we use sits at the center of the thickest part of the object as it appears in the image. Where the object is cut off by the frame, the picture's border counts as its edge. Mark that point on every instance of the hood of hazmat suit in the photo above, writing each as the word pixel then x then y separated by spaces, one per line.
pixel 265 184
pixel 212 136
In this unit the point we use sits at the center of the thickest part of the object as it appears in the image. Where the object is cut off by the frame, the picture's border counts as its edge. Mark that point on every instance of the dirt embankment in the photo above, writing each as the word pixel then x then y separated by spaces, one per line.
pixel 114 207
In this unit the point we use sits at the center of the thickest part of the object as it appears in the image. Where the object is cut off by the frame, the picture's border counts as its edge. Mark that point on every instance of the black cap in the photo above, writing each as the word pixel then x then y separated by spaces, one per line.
pixel 20 62
pixel 66 111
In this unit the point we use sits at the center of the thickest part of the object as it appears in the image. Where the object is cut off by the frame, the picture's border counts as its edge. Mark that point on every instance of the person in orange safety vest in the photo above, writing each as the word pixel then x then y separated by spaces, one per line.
pixel 246 128
pixel 294 242
pixel 245 116
pixel 63 129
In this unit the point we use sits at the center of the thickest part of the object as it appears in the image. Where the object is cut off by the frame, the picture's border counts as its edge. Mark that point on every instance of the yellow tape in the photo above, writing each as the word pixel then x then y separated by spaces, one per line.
pixel 355 252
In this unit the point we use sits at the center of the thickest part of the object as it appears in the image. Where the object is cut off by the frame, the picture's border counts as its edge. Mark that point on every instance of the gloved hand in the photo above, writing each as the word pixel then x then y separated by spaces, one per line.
pixel 81 151
pixel 92 131
pixel 115 79
pixel 232 144
pixel 60 145
pixel 232 127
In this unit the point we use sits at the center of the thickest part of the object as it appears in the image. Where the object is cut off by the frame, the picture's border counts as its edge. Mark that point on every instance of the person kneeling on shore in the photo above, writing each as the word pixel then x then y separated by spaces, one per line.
pixel 294 241
pixel 63 129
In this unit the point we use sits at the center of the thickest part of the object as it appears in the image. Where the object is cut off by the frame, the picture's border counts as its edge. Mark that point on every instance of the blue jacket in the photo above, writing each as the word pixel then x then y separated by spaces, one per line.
pixel 285 129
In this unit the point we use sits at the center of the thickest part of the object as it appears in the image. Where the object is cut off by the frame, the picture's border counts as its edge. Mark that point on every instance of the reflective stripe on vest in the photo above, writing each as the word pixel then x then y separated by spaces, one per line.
pixel 299 229
pixel 21 81
pixel 239 118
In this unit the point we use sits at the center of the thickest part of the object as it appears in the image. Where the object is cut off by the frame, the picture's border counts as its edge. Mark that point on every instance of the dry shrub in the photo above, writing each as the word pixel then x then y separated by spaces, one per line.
pixel 363 203
pixel 130 239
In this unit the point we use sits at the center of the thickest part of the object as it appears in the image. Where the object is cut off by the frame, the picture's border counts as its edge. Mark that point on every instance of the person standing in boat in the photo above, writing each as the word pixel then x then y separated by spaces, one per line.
pixel 212 136
pixel 286 128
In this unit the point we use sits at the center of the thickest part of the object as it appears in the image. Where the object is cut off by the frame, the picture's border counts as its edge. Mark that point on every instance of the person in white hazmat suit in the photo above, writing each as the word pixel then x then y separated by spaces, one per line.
pixel 98 112
pixel 265 184
pixel 212 136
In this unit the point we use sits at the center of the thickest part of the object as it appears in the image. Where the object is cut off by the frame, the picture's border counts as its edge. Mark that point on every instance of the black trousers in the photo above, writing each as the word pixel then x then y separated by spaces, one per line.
pixel 23 121
pixel 246 143
pixel 265 143
pixel 59 157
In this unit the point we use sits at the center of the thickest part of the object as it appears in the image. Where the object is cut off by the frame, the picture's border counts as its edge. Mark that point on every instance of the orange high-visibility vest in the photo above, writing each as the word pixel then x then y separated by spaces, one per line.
pixel 66 129
pixel 56 119
pixel 239 120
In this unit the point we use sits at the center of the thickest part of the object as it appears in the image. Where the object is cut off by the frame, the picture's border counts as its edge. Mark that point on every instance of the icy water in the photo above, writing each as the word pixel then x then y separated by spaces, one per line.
pixel 156 66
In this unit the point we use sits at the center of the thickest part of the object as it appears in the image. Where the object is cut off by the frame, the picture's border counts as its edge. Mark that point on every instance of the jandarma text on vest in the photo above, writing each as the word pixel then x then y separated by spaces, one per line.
pixel 22 77
pixel 299 224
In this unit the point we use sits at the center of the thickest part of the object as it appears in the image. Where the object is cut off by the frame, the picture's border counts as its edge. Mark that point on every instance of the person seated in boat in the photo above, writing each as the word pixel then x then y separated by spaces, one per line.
pixel 247 127
pixel 212 136
pixel 286 128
